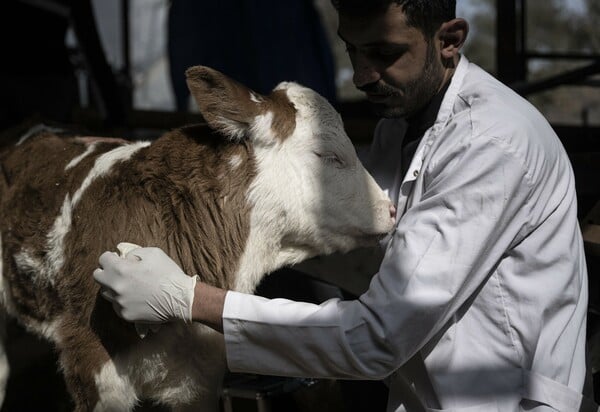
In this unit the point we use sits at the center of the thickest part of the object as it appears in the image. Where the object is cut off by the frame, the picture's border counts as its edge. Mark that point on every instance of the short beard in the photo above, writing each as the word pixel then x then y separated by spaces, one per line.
pixel 414 95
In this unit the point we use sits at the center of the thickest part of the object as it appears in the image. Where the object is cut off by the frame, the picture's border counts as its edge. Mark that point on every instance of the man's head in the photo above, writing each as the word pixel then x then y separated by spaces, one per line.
pixel 402 51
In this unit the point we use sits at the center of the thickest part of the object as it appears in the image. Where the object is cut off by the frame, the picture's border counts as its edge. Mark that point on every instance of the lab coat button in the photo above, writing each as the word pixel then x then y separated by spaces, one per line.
pixel 416 173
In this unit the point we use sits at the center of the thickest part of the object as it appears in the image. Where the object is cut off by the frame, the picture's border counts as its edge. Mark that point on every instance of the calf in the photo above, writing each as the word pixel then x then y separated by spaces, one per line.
pixel 277 182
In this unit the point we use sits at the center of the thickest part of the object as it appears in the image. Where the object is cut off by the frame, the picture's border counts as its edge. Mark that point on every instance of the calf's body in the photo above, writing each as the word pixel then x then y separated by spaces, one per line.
pixel 276 183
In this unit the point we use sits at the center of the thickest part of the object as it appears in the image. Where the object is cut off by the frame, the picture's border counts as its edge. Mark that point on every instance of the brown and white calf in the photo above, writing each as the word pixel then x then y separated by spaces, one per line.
pixel 278 182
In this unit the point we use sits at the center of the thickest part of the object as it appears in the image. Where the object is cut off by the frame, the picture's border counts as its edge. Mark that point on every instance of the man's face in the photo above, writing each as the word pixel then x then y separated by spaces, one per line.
pixel 394 64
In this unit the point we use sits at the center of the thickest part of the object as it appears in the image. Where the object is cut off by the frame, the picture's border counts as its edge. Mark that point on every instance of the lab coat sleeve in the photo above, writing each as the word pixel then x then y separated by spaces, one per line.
pixel 474 206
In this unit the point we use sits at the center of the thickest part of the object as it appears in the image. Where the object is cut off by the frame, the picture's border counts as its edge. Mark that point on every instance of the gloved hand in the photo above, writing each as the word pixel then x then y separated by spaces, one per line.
pixel 142 328
pixel 146 285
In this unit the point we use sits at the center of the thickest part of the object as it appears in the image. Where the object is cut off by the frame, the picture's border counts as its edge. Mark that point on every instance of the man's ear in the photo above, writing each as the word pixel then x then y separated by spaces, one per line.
pixel 227 106
pixel 452 35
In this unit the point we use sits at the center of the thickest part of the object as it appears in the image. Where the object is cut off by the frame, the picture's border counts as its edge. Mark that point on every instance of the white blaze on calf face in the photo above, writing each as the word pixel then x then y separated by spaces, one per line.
pixel 316 179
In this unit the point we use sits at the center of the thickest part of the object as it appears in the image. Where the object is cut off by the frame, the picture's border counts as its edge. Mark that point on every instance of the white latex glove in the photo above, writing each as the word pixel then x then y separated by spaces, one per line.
pixel 145 286
pixel 141 328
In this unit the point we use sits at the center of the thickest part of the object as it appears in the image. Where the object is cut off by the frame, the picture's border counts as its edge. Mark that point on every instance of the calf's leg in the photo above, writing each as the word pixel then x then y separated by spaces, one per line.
pixel 90 374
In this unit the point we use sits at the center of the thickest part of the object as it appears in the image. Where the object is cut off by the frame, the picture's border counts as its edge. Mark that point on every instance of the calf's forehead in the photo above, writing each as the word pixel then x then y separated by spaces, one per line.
pixel 316 118
pixel 313 107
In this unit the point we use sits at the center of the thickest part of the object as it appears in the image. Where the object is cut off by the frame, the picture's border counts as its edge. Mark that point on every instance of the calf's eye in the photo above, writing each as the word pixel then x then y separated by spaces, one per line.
pixel 330 158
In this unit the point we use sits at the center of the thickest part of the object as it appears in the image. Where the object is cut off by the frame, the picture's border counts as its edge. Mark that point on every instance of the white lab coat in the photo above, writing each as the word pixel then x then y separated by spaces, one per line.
pixel 480 301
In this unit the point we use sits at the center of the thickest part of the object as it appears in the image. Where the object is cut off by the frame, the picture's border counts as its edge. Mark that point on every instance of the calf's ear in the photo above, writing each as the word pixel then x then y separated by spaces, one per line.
pixel 226 105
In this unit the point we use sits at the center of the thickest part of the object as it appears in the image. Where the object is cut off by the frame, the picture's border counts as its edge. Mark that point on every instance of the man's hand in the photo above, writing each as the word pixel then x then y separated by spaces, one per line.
pixel 146 286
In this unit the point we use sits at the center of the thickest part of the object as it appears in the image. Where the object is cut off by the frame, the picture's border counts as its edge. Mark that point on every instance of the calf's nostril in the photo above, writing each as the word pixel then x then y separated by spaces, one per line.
pixel 393 211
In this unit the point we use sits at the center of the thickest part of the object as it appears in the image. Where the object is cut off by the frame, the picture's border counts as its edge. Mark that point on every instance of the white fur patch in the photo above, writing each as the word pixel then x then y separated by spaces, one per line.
pixel 116 392
pixel 250 271
pixel 232 129
pixel 255 98
pixel 49 330
pixel 263 250
pixel 28 264
pixel 75 161
pixel 261 129
pixel 62 224
pixel 235 161
pixel 105 163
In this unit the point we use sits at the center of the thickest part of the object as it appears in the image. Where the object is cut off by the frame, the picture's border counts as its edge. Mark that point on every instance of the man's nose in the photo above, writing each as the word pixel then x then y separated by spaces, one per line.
pixel 365 72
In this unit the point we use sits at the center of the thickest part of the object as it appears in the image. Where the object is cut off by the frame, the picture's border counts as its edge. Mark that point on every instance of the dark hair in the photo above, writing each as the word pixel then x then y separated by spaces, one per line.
pixel 425 15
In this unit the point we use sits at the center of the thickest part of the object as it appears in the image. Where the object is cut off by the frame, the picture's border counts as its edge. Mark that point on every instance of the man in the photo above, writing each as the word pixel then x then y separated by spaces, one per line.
pixel 480 301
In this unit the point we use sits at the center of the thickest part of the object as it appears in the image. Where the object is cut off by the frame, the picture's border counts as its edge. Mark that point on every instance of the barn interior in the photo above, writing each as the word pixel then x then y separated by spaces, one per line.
pixel 109 67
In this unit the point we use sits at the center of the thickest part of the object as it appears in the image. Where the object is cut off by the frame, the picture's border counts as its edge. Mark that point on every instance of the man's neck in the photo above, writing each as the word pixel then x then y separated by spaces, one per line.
pixel 425 118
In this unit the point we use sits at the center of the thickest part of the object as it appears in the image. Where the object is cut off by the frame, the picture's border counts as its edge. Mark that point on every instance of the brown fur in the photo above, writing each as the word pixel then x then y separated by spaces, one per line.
pixel 284 119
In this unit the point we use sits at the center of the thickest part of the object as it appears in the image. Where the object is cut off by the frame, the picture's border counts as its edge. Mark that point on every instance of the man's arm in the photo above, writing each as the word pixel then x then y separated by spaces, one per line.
pixel 207 306
pixel 147 286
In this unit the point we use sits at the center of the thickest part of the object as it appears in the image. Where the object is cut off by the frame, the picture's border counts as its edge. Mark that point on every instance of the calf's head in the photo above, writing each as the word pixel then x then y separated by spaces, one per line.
pixel 311 191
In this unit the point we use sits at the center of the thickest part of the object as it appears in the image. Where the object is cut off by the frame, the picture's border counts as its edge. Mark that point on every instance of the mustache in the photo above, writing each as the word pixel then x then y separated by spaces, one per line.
pixel 381 89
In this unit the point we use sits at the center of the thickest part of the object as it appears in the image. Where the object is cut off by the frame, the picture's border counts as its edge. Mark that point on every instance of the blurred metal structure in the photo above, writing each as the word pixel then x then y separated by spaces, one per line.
pixel 512 54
